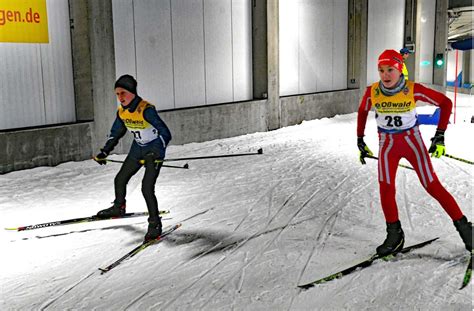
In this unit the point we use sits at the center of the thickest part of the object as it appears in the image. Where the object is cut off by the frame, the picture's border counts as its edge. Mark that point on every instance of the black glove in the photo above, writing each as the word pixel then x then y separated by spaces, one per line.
pixel 437 148
pixel 364 150
pixel 100 158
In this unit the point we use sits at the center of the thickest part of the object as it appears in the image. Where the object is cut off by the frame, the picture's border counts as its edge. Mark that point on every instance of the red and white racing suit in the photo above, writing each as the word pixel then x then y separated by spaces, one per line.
pixel 399 137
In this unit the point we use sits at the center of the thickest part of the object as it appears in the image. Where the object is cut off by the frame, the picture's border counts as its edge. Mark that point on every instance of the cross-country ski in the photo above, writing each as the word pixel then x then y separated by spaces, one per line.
pixel 80 220
pixel 139 248
pixel 363 264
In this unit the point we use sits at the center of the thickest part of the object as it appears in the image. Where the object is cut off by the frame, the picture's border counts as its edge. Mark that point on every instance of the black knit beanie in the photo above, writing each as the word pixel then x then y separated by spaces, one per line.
pixel 127 82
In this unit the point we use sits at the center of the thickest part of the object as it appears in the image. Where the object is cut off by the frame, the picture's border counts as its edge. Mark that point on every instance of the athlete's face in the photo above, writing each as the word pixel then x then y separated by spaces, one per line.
pixel 389 76
pixel 123 96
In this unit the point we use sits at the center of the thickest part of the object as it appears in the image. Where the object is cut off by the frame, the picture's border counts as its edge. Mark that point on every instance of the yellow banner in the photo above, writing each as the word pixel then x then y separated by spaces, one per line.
pixel 23 21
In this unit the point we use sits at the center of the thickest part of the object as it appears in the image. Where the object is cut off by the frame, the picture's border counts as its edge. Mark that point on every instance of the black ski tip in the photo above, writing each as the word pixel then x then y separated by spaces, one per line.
pixel 306 286
pixel 260 151
pixel 186 166
pixel 103 270
pixel 468 274
pixel 464 285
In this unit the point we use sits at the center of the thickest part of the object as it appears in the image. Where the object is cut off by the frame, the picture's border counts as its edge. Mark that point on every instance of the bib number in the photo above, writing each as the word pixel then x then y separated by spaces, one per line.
pixel 394 121
pixel 136 135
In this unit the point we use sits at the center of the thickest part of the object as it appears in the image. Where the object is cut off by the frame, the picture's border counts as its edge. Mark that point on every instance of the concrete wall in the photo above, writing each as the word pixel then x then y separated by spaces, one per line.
pixel 295 109
pixel 220 121
pixel 48 146
pixel 51 146
pixel 227 120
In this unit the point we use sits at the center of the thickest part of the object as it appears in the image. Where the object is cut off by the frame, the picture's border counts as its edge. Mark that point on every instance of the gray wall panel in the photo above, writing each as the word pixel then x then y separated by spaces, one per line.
pixel 185 53
pixel 309 44
pixel 21 89
pixel 471 67
pixel 324 51
pixel 289 50
pixel 154 52
pixel 313 45
pixel 339 50
pixel 385 31
pixel 218 50
pixel 188 49
pixel 57 66
pixel 36 80
pixel 124 38
pixel 427 27
pixel 242 49
pixel 451 65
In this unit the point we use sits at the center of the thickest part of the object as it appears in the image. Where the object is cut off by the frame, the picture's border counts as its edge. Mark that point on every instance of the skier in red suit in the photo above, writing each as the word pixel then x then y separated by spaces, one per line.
pixel 394 100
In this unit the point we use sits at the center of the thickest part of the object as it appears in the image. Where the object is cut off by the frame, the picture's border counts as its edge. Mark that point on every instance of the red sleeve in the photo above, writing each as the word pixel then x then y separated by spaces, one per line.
pixel 364 108
pixel 435 98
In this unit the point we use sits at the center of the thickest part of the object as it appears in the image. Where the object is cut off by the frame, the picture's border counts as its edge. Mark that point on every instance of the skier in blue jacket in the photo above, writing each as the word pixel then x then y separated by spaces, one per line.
pixel 151 136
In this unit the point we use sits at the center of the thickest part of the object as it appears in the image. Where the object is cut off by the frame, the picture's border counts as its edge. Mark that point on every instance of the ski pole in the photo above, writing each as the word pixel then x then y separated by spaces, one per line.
pixel 185 166
pixel 259 151
pixel 401 165
pixel 459 159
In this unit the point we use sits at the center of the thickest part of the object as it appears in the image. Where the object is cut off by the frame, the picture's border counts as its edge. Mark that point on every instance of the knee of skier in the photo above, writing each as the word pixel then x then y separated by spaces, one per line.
pixel 434 187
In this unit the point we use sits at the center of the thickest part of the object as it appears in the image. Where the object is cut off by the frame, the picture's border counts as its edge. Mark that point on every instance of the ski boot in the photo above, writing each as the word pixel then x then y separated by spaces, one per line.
pixel 394 241
pixel 116 210
pixel 154 230
pixel 464 228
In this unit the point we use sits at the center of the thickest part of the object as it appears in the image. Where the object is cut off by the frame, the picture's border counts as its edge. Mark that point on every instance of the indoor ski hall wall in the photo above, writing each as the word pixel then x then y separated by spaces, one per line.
pixel 213 68
pixel 37 87
pixel 36 79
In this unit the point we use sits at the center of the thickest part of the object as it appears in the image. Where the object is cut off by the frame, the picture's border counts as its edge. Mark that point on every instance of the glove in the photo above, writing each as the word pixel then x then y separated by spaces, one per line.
pixel 100 158
pixel 437 148
pixel 364 150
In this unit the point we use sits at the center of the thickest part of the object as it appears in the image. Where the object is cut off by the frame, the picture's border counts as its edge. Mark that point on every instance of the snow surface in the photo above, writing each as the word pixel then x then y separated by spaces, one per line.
pixel 253 229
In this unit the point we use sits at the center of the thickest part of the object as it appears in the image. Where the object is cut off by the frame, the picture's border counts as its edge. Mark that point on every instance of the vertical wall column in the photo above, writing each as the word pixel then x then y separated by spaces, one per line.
pixel 259 49
pixel 441 41
pixel 357 45
pixel 103 70
pixel 466 67
pixel 273 102
pixel 81 59
pixel 265 58
pixel 94 66
pixel 411 38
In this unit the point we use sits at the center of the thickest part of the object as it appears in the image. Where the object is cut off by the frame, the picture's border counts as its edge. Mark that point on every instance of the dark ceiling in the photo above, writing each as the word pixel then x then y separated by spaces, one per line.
pixel 460 20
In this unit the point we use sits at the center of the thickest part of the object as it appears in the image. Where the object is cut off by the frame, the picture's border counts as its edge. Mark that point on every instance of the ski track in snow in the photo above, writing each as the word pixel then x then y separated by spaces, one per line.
pixel 263 231
pixel 253 229
pixel 50 302
pixel 324 230
pixel 248 262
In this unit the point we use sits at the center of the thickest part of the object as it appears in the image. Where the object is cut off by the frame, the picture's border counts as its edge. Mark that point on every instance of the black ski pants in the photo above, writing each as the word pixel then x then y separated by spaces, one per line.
pixel 129 168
